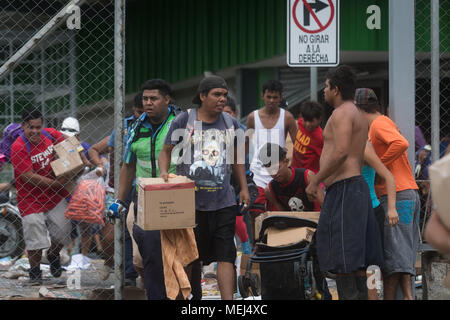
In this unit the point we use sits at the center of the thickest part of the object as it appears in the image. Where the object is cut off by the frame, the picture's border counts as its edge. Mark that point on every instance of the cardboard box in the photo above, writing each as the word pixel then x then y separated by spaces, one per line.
pixel 69 159
pixel 276 237
pixel 165 206
pixel 68 146
pixel 309 215
pixel 68 164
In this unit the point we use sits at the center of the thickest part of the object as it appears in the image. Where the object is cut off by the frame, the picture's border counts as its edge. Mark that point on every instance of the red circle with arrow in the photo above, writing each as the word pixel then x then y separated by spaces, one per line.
pixel 309 12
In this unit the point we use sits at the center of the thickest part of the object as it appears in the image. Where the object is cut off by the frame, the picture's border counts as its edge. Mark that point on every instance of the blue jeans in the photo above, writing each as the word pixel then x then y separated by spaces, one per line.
pixel 149 244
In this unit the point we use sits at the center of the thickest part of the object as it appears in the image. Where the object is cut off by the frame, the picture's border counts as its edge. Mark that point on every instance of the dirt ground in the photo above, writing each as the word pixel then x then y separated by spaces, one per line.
pixel 90 286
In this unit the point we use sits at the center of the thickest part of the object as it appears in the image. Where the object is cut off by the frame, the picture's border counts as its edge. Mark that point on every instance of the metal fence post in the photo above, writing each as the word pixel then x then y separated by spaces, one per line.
pixel 313 84
pixel 402 69
pixel 119 109
pixel 435 81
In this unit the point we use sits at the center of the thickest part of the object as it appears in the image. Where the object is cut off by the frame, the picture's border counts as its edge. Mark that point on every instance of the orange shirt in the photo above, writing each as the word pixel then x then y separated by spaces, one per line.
pixel 391 146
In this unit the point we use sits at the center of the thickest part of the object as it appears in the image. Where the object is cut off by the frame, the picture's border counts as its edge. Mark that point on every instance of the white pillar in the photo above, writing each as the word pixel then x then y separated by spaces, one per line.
pixel 402 78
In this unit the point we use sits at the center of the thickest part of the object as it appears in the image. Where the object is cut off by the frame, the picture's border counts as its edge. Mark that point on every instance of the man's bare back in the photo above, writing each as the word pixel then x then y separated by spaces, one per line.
pixel 346 134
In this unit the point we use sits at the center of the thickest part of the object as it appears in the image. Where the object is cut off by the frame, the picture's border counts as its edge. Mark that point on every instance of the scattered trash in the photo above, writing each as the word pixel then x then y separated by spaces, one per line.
pixel 15 274
pixel 5 263
pixel 20 265
pixel 78 262
pixel 3 260
pixel 60 295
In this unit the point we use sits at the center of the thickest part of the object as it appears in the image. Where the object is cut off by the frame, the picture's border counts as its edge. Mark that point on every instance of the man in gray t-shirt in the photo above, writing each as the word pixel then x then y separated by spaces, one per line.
pixel 206 158
pixel 207 164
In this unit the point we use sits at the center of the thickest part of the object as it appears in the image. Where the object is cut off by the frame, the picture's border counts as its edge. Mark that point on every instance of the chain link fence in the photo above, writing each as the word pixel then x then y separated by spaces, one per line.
pixel 424 120
pixel 67 72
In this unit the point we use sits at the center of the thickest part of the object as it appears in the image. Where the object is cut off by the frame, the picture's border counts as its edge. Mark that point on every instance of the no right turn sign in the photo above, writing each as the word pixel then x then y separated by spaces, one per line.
pixel 313 33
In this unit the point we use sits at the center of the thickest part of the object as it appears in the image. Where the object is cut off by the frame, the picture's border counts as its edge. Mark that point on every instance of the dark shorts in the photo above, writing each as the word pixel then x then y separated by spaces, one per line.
pixel 214 235
pixel 348 237
pixel 380 216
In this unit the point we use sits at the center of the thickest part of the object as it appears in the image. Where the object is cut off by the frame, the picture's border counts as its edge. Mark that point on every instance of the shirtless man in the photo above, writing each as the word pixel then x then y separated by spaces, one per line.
pixel 348 240
pixel 271 124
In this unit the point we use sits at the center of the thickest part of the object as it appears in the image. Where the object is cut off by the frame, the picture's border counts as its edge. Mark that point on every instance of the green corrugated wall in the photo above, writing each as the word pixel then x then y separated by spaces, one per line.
pixel 180 39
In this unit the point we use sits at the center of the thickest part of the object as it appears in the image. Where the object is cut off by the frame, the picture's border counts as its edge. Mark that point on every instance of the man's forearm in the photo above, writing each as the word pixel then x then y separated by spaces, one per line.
pixel 164 161
pixel 40 181
pixel 393 152
pixel 94 155
pixel 127 175
pixel 98 149
pixel 239 171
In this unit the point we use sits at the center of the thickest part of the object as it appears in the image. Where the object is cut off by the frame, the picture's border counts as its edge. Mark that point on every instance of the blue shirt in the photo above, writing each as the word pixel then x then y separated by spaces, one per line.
pixel 128 121
pixel 369 175
pixel 86 146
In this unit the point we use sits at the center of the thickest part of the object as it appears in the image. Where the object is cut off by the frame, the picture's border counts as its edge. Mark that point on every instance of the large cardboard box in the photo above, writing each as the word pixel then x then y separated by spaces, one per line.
pixel 165 206
pixel 69 159
pixel 276 237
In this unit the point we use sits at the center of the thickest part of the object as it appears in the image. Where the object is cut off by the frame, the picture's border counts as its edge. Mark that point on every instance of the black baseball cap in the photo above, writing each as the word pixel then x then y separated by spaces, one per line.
pixel 208 83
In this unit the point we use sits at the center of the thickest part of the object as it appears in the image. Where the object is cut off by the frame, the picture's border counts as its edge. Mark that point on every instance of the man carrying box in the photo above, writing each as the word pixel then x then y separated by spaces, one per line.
pixel 206 159
pixel 40 196
pixel 145 141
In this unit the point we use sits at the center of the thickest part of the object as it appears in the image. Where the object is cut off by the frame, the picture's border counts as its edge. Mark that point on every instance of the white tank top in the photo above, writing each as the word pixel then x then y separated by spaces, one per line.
pixel 260 138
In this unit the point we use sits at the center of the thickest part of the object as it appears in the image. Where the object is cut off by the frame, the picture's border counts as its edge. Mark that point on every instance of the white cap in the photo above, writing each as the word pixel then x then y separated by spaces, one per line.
pixel 70 127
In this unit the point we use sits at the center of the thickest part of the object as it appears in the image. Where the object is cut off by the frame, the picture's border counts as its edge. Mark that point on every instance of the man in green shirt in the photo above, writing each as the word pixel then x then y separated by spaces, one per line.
pixel 144 143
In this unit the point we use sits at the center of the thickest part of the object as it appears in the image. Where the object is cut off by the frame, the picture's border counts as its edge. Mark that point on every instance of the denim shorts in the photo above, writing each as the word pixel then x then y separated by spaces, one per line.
pixel 401 242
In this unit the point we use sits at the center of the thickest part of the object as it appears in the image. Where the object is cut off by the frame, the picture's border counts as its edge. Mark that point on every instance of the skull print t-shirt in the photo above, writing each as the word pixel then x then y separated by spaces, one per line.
pixel 205 159
pixel 292 195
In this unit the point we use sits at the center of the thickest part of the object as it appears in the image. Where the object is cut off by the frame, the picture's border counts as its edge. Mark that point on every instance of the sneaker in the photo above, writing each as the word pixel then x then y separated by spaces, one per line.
pixel 104 272
pixel 35 276
pixel 55 266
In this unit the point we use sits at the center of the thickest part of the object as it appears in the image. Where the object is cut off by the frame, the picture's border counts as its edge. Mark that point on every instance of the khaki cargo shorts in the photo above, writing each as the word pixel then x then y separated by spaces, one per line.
pixel 41 228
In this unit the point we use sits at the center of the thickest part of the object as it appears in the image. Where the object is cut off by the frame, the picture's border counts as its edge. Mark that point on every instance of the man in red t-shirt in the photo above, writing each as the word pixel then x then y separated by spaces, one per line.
pixel 308 142
pixel 286 190
pixel 40 196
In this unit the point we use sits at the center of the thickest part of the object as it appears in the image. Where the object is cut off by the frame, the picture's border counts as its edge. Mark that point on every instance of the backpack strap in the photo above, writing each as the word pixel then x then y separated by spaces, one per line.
pixel 192 126
pixel 228 121
pixel 134 131
pixel 48 135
